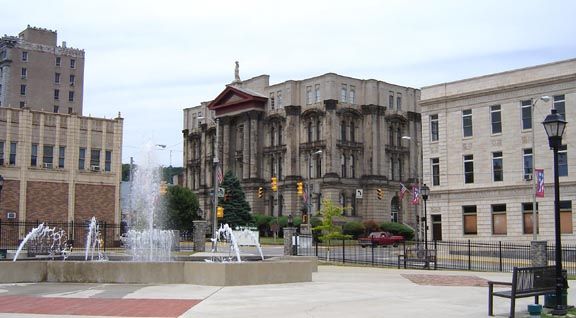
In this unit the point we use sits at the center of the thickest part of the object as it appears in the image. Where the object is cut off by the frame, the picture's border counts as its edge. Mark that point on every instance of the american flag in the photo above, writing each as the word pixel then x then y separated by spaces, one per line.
pixel 403 191
pixel 415 194
pixel 219 175
pixel 539 183
pixel 305 194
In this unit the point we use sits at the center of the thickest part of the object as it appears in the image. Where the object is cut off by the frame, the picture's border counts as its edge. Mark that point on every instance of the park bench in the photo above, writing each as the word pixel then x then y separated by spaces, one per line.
pixel 526 282
pixel 418 256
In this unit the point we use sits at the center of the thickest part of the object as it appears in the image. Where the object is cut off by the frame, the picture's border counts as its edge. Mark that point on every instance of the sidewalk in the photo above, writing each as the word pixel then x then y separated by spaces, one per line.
pixel 336 291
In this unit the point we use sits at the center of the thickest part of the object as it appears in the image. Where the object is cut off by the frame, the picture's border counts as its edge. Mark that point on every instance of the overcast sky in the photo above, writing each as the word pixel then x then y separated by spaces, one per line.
pixel 151 59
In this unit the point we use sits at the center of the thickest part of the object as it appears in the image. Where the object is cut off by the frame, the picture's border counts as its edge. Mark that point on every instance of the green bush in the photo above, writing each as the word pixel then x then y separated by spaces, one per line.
pixel 262 222
pixel 370 226
pixel 398 229
pixel 353 228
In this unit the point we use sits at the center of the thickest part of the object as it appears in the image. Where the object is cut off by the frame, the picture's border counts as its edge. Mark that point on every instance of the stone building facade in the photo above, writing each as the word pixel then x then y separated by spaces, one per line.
pixel 343 137
pixel 57 165
pixel 482 138
pixel 37 73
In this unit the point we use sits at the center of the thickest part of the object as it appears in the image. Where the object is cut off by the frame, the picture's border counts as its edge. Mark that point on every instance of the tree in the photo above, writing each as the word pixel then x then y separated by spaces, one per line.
pixel 329 230
pixel 125 172
pixel 182 205
pixel 236 208
pixel 169 172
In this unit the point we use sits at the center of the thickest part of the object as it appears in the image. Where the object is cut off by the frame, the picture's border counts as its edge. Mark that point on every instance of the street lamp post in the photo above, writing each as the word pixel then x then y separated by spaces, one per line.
pixel 417 168
pixel 554 126
pixel 534 177
pixel 425 191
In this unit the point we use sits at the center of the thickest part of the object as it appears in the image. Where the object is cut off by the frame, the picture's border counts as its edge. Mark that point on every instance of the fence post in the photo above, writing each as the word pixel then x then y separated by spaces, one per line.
pixel 372 249
pixel 343 251
pixel 316 246
pixel 1 241
pixel 469 256
pixel 105 235
pixel 500 253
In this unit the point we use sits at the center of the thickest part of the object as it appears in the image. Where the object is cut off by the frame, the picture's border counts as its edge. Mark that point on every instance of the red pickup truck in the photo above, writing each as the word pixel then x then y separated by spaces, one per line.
pixel 380 238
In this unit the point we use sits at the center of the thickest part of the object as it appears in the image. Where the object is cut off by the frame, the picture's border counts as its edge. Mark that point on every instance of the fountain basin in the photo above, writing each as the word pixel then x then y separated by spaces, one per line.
pixel 179 272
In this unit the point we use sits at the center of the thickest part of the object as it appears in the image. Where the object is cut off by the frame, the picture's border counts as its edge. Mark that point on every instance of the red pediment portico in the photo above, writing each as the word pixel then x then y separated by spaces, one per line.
pixel 235 100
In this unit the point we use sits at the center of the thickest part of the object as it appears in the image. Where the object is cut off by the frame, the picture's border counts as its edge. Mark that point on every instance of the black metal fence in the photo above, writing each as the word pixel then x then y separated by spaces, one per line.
pixel 13 232
pixel 471 255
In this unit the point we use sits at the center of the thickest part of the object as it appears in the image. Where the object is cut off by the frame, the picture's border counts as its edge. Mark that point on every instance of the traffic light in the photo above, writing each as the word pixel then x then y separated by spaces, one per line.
pixel 220 212
pixel 260 192
pixel 380 194
pixel 274 184
pixel 300 187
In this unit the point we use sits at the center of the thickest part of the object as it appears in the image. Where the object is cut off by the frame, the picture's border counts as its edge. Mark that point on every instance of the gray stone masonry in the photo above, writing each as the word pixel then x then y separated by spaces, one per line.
pixel 289 233
pixel 199 236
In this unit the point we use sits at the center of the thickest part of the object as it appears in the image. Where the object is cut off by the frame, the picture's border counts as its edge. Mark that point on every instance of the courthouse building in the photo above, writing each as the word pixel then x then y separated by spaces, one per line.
pixel 482 138
pixel 345 138
pixel 57 165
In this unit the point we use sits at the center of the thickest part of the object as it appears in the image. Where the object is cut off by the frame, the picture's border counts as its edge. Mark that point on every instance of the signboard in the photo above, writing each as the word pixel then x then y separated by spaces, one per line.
pixel 359 193
pixel 221 192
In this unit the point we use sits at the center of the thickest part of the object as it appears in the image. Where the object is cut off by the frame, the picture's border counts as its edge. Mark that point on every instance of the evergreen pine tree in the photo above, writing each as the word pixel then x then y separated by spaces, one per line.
pixel 236 208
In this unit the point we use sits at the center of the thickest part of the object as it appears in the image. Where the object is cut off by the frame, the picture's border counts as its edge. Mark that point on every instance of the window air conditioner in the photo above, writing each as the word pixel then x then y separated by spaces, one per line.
pixel 95 168
pixel 11 215
pixel 47 165
pixel 527 177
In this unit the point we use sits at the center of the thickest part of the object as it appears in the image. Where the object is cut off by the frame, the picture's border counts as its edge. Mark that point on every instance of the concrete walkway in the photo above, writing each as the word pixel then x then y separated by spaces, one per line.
pixel 336 291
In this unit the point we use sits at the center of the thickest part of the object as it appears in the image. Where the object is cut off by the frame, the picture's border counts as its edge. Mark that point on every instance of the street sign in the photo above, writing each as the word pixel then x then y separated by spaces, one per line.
pixel 221 192
pixel 359 193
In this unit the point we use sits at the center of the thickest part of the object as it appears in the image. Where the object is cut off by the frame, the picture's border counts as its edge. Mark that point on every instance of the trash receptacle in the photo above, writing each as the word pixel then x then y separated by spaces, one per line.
pixel 550 299
pixel 3 253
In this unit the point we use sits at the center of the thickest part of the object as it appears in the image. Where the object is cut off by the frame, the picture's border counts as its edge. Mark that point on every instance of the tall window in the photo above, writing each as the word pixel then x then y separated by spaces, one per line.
pixel 496 118
pixel 72 79
pixel 279 96
pixel 343 130
pixel 352 95
pixel 58 61
pixel 392 169
pixel 56 94
pixel 390 136
pixel 469 169
pixel 526 114
pixel 81 159
pixel 70 96
pixel 399 137
pixel 470 221
pixel 57 78
pixel 527 156
pixel 400 169
pixel 497 166
pixel 352 167
pixel 279 167
pixel 434 127
pixel 310 131
pixel 34 155
pixel 48 156
pixel 343 93
pixel 272 166
pixel 563 161
pixel 343 165
pixel 95 159
pixel 318 166
pixel 24 56
pixel 352 132
pixel 308 95
pixel 72 63
pixel 272 133
pixel 12 159
pixel 317 93
pixel 280 135
pixel 560 105
pixel 566 217
pixel 527 224
pixel 391 100
pixel 1 153
pixel 435 171
pixel 23 89
pixel 61 156
pixel 499 226
pixel 399 102
pixel 467 122
pixel 108 160
pixel 24 72
pixel 318 133
pixel 271 100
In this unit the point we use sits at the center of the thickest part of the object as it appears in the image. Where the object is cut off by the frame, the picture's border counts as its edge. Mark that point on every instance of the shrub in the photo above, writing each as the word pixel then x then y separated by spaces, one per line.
pixel 398 229
pixel 353 228
pixel 262 222
pixel 370 226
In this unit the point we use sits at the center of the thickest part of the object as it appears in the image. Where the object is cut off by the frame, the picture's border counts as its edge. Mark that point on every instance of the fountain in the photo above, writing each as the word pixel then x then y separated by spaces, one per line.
pixel 45 240
pixel 94 241
pixel 149 248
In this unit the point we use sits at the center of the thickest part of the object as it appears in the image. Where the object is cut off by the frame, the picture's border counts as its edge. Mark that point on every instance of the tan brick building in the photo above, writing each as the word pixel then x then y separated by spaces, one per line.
pixel 58 166
pixel 479 153
pixel 335 133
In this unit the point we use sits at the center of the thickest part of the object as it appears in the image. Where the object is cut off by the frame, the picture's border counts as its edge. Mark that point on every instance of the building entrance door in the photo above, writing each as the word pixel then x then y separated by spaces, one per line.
pixel 437 227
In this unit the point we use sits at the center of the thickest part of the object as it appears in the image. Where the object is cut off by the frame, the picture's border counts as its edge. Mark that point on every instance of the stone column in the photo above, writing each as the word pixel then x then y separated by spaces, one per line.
pixel 292 150
pixel 199 236
pixel 289 233
pixel 538 255
pixel 254 148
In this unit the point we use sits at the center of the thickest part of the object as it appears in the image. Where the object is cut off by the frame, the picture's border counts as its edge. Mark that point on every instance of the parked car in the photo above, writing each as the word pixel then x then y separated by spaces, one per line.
pixel 380 238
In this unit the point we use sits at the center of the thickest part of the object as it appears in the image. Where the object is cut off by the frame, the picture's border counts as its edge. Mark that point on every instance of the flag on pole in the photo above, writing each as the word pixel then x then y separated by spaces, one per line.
pixel 403 191
pixel 415 194
pixel 540 183
pixel 219 174
pixel 305 195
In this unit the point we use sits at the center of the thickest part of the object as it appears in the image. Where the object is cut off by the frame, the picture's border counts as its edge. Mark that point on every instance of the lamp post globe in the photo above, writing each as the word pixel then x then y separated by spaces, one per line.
pixel 555 125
